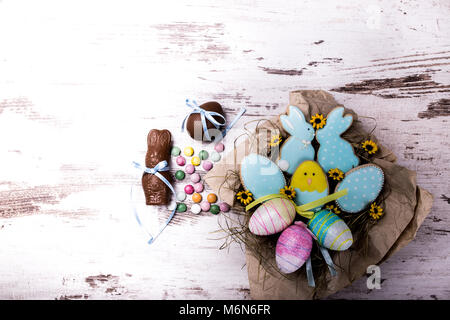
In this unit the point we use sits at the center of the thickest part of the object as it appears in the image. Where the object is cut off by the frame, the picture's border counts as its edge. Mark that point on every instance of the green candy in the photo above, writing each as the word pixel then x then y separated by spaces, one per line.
pixel 181 207
pixel 203 154
pixel 215 209
pixel 175 151
pixel 179 175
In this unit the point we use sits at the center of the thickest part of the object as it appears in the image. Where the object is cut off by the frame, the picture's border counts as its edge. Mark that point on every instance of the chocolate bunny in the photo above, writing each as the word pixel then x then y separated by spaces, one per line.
pixel 156 192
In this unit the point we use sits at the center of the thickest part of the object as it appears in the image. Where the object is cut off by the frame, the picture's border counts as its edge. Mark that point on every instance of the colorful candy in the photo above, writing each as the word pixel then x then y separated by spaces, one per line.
pixel 189 169
pixel 181 161
pixel 219 147
pixel 215 156
pixel 181 207
pixel 205 205
pixel 224 207
pixel 188 151
pixel 203 155
pixel 214 209
pixel 195 177
pixel 195 209
pixel 212 198
pixel 207 165
pixel 195 160
pixel 179 175
pixel 189 189
pixel 198 187
pixel 181 196
pixel 197 197
pixel 175 151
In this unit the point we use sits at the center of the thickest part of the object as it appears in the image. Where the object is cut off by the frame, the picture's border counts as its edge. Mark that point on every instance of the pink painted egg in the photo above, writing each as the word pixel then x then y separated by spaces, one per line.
pixel 293 248
pixel 272 216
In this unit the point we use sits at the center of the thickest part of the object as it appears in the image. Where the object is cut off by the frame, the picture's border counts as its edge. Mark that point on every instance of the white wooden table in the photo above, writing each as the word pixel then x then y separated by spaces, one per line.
pixel 82 82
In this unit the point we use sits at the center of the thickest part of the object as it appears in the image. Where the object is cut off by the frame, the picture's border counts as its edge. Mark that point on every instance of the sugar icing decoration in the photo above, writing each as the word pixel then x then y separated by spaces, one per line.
pixel 297 148
pixel 334 151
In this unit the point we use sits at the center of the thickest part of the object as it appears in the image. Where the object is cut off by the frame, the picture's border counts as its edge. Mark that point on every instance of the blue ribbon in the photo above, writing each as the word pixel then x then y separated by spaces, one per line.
pixel 204 114
pixel 328 260
pixel 160 167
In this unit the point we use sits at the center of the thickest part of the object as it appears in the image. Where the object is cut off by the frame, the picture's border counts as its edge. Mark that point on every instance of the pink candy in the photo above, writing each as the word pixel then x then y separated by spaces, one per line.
pixel 224 207
pixel 195 177
pixel 181 161
pixel 198 187
pixel 189 189
pixel 205 205
pixel 207 165
pixel 219 147
pixel 189 169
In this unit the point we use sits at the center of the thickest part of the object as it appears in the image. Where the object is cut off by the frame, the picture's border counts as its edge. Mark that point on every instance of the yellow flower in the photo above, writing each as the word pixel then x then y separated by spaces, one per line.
pixel 245 197
pixel 276 140
pixel 370 146
pixel 288 191
pixel 333 208
pixel 318 121
pixel 336 174
pixel 376 211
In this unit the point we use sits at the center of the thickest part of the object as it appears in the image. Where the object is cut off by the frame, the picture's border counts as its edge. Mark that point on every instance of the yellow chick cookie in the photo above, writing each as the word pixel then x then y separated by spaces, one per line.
pixel 309 182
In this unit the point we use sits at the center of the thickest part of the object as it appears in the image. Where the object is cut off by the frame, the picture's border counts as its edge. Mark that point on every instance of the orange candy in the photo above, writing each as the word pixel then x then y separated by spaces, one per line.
pixel 212 198
pixel 197 197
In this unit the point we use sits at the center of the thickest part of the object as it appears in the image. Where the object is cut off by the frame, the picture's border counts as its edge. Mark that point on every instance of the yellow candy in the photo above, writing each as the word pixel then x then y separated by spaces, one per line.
pixel 188 151
pixel 195 161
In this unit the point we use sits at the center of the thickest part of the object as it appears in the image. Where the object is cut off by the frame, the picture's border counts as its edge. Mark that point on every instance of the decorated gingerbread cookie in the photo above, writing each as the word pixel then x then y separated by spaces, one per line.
pixel 335 152
pixel 309 182
pixel 297 147
pixel 364 184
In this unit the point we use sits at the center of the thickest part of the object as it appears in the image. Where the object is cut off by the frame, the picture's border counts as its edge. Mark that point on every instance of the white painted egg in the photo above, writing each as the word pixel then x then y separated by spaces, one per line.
pixel 331 231
pixel 272 216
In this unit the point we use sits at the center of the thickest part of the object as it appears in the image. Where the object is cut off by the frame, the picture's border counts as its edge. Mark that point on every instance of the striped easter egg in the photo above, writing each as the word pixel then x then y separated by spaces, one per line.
pixel 331 231
pixel 293 248
pixel 272 216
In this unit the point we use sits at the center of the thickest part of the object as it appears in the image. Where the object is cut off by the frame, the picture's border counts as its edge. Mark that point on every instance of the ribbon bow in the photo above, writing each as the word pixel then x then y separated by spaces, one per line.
pixel 204 114
pixel 160 167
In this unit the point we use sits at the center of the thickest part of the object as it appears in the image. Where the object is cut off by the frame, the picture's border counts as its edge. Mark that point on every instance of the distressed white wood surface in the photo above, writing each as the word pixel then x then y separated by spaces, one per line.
pixel 82 82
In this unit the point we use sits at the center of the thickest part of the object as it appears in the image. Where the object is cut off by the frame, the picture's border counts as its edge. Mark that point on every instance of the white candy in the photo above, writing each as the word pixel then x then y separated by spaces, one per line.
pixel 196 209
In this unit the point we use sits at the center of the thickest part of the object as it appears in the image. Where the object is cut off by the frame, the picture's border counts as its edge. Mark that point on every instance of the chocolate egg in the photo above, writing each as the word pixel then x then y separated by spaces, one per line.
pixel 194 125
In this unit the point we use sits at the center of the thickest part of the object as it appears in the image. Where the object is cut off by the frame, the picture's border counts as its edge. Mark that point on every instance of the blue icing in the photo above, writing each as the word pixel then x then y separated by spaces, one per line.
pixel 261 176
pixel 294 151
pixel 335 152
pixel 304 197
pixel 364 185
pixel 297 147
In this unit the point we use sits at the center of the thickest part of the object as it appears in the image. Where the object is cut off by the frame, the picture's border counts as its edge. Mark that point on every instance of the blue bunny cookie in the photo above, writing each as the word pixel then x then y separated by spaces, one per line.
pixel 335 152
pixel 297 147
pixel 364 184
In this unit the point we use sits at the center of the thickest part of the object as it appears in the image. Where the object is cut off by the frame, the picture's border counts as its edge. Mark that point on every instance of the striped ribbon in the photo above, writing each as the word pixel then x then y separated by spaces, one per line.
pixel 160 167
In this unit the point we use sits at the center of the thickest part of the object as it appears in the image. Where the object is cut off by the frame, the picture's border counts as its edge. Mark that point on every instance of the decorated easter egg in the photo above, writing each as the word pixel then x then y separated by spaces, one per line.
pixel 219 147
pixel 175 151
pixel 215 156
pixel 272 216
pixel 331 231
pixel 211 197
pixel 215 209
pixel 188 151
pixel 309 182
pixel 205 205
pixel 293 248
pixel 261 175
pixel 181 161
pixel 364 184
pixel 189 169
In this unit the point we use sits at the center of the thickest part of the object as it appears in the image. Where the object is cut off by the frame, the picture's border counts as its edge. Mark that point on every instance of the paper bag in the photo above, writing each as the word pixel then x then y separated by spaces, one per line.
pixel 406 207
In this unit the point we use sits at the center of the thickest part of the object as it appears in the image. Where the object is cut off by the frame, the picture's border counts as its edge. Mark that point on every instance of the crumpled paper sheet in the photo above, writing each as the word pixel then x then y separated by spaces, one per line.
pixel 406 207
